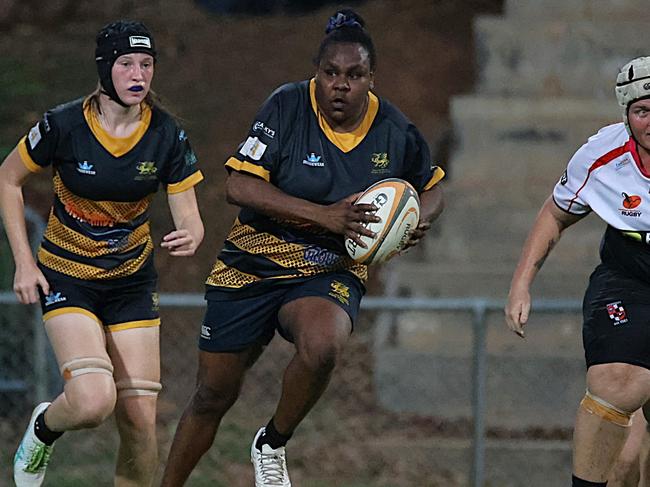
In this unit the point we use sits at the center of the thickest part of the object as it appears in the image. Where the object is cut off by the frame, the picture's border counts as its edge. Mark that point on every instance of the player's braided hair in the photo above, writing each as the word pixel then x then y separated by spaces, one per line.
pixel 346 25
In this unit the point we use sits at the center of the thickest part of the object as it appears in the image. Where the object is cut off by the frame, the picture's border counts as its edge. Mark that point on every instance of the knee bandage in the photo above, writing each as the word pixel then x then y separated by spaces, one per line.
pixel 137 387
pixel 600 407
pixel 88 365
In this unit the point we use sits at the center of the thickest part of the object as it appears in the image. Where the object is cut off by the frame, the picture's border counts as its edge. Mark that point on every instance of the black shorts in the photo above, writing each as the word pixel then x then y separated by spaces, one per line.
pixel 616 312
pixel 236 320
pixel 117 304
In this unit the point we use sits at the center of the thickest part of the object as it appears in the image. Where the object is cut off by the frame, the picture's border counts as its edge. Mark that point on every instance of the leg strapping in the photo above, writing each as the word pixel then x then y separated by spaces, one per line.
pixel 86 365
pixel 600 407
pixel 137 387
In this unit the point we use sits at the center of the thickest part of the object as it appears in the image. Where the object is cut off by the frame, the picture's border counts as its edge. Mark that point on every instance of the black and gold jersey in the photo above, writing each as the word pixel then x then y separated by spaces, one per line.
pixel 291 146
pixel 98 226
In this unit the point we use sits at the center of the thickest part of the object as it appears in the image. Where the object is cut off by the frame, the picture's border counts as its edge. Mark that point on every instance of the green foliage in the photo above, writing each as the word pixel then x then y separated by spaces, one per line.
pixel 18 80
pixel 4 151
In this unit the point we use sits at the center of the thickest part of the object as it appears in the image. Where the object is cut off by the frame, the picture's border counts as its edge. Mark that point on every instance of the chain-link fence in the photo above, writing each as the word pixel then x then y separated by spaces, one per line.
pixel 430 392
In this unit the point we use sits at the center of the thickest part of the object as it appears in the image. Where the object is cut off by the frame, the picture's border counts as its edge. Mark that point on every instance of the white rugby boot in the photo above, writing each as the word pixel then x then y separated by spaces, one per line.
pixel 32 456
pixel 270 465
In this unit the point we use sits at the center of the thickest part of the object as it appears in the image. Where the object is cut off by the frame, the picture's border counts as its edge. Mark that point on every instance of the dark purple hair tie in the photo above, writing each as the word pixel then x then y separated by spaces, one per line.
pixel 341 20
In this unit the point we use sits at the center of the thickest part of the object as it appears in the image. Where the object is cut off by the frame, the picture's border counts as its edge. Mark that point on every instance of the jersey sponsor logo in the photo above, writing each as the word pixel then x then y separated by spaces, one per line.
pixel 206 331
pixel 340 292
pixel 182 136
pixel 643 237
pixel 381 162
pixel 564 178
pixel 117 244
pixel 313 160
pixel 86 168
pixel 622 163
pixel 34 136
pixel 320 256
pixel 139 41
pixel 146 170
pixel 190 158
pixel 260 127
pixel 54 298
pixel 616 313
pixel 630 203
pixel 253 148
pixel 46 123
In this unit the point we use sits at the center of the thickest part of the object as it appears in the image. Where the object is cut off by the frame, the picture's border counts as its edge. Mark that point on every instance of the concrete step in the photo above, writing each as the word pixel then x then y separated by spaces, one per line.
pixel 510 153
pixel 509 131
pixel 472 261
pixel 559 57
pixel 577 9
pixel 508 463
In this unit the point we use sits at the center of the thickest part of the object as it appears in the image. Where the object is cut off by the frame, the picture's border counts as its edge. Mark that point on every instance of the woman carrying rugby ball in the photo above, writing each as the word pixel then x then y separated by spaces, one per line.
pixel 313 146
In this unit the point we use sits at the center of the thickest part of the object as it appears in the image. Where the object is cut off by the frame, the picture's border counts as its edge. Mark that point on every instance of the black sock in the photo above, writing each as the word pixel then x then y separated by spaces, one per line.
pixel 272 437
pixel 43 433
pixel 577 482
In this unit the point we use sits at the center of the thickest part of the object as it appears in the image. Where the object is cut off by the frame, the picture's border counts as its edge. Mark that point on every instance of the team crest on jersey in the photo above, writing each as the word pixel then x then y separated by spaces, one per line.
pixel 146 170
pixel 86 168
pixel 340 292
pixel 630 205
pixel 616 313
pixel 313 160
pixel 381 162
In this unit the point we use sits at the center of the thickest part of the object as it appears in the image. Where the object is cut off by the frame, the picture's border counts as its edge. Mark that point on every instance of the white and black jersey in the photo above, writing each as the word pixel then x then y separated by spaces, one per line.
pixel 606 176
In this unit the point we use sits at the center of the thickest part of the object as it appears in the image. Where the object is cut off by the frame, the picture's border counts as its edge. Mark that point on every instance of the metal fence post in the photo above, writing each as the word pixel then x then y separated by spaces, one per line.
pixel 39 360
pixel 479 368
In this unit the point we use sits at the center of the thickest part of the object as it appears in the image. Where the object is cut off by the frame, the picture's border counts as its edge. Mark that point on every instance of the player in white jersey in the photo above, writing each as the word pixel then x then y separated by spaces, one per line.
pixel 609 175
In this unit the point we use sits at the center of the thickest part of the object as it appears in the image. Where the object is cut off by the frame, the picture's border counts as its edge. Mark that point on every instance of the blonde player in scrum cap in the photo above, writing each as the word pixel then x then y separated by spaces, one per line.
pixel 94 276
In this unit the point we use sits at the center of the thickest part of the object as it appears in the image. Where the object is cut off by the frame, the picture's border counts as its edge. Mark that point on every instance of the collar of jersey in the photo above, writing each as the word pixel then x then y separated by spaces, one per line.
pixel 117 146
pixel 632 147
pixel 346 141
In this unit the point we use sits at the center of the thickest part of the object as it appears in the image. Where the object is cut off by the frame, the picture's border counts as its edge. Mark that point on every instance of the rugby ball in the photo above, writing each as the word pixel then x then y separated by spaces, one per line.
pixel 399 209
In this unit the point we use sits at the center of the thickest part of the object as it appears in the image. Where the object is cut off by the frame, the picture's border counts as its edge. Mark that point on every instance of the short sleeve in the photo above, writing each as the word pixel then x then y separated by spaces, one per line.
pixel 181 171
pixel 569 191
pixel 38 147
pixel 258 154
pixel 421 172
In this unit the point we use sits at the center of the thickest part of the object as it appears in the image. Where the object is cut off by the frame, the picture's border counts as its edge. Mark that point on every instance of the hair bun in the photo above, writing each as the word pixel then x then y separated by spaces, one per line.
pixel 344 18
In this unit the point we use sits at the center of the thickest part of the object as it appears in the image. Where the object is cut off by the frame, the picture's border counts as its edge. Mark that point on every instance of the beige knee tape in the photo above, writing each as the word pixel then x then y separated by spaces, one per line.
pixel 600 407
pixel 87 365
pixel 137 387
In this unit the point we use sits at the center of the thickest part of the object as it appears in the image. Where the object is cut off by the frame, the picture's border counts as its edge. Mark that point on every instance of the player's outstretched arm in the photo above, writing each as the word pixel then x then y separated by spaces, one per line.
pixel 547 229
